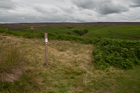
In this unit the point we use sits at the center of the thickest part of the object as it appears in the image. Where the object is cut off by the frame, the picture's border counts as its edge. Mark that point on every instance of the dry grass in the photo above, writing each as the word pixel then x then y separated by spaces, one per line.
pixel 70 68
pixel 11 59
pixel 32 27
pixel 71 54
pixel 12 76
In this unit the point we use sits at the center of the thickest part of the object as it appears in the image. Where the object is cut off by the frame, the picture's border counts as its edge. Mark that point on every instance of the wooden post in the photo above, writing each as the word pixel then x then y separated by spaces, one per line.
pixel 46 48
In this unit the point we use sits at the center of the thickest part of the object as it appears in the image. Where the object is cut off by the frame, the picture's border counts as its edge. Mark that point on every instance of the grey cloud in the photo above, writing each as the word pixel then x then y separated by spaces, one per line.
pixel 45 10
pixel 68 10
pixel 136 3
pixel 86 4
pixel 26 19
pixel 33 17
pixel 17 19
pixel 6 4
pixel 40 9
pixel 102 7
pixel 109 8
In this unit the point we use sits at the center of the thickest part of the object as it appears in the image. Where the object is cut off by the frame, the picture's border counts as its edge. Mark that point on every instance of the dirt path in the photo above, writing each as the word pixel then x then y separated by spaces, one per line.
pixel 125 35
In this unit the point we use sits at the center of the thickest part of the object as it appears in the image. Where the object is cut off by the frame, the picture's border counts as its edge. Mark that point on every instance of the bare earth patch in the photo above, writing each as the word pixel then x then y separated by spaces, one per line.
pixel 12 76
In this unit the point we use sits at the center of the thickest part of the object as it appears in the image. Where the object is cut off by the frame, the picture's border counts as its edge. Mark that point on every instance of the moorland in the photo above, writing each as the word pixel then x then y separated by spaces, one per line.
pixel 100 57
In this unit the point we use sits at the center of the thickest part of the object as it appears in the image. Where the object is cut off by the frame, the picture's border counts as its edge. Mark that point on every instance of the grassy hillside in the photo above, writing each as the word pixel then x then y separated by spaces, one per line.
pixel 129 32
pixel 78 64
pixel 70 70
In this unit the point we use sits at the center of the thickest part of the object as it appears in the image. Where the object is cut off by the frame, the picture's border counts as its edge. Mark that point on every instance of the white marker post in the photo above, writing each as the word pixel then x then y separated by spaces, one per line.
pixel 46 48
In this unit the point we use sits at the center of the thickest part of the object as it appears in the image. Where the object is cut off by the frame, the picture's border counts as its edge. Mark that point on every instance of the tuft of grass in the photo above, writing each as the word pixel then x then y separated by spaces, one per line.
pixel 11 56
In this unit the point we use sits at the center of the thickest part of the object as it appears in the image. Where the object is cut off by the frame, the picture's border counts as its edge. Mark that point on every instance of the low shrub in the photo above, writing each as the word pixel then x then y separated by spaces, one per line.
pixel 81 32
pixel 117 53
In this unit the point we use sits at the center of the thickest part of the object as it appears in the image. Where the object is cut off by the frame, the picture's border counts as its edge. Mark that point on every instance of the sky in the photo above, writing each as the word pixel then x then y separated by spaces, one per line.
pixel 30 11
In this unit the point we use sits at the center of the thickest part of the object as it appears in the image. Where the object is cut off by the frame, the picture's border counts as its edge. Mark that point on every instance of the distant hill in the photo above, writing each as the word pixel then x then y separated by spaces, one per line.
pixel 18 25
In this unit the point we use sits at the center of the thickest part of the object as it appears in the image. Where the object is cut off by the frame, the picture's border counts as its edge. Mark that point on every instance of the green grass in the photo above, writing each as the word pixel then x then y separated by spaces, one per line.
pixel 103 32
pixel 51 29
pixel 26 29
pixel 129 81
pixel 131 30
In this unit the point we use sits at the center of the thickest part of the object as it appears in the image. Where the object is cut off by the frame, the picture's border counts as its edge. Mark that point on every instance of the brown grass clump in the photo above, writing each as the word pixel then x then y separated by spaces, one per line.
pixel 11 59
pixel 11 76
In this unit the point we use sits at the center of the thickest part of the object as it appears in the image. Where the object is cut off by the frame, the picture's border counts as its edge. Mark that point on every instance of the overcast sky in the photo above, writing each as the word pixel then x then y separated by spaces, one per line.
pixel 24 11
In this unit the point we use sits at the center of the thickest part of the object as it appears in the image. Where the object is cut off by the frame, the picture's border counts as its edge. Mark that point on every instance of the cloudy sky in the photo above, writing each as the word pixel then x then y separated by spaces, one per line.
pixel 24 11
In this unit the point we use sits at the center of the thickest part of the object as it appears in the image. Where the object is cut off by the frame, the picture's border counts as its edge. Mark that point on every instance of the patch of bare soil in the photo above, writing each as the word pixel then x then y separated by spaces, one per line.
pixel 11 76
pixel 32 27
